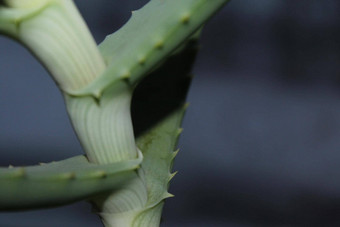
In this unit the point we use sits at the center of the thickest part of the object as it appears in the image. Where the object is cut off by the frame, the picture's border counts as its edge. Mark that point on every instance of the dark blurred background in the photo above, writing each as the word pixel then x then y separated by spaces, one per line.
pixel 261 145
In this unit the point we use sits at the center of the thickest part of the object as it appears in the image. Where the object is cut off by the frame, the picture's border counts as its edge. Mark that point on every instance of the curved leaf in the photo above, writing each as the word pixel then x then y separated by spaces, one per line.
pixel 62 182
pixel 151 34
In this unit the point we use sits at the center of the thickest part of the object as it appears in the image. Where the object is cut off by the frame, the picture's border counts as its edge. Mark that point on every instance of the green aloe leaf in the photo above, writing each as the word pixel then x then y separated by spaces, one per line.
pixel 160 101
pixel 62 182
pixel 143 43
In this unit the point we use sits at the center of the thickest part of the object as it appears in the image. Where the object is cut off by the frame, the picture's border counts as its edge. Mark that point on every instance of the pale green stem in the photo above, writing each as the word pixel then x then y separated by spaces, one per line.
pixel 55 32
pixel 104 126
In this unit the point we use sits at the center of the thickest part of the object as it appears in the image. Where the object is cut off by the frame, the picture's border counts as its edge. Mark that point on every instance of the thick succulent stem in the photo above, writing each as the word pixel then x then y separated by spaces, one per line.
pixel 55 32
pixel 104 126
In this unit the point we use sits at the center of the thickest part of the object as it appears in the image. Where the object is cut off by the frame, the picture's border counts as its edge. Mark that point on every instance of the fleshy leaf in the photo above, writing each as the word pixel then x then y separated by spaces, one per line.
pixel 62 182
pixel 152 33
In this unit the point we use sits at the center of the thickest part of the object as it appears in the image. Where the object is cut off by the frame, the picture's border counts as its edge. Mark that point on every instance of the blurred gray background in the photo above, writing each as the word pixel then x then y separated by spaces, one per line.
pixel 261 141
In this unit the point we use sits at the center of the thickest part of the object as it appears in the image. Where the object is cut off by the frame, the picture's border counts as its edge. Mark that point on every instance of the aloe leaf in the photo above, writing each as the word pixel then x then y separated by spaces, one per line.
pixel 164 93
pixel 62 182
pixel 151 34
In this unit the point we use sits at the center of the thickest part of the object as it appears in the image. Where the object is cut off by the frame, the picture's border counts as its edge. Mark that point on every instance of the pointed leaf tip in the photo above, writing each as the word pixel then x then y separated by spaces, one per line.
pixel 172 175
pixel 168 195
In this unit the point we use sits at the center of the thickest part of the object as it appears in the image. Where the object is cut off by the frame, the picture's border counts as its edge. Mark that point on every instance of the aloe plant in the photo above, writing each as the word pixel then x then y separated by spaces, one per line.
pixel 125 99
